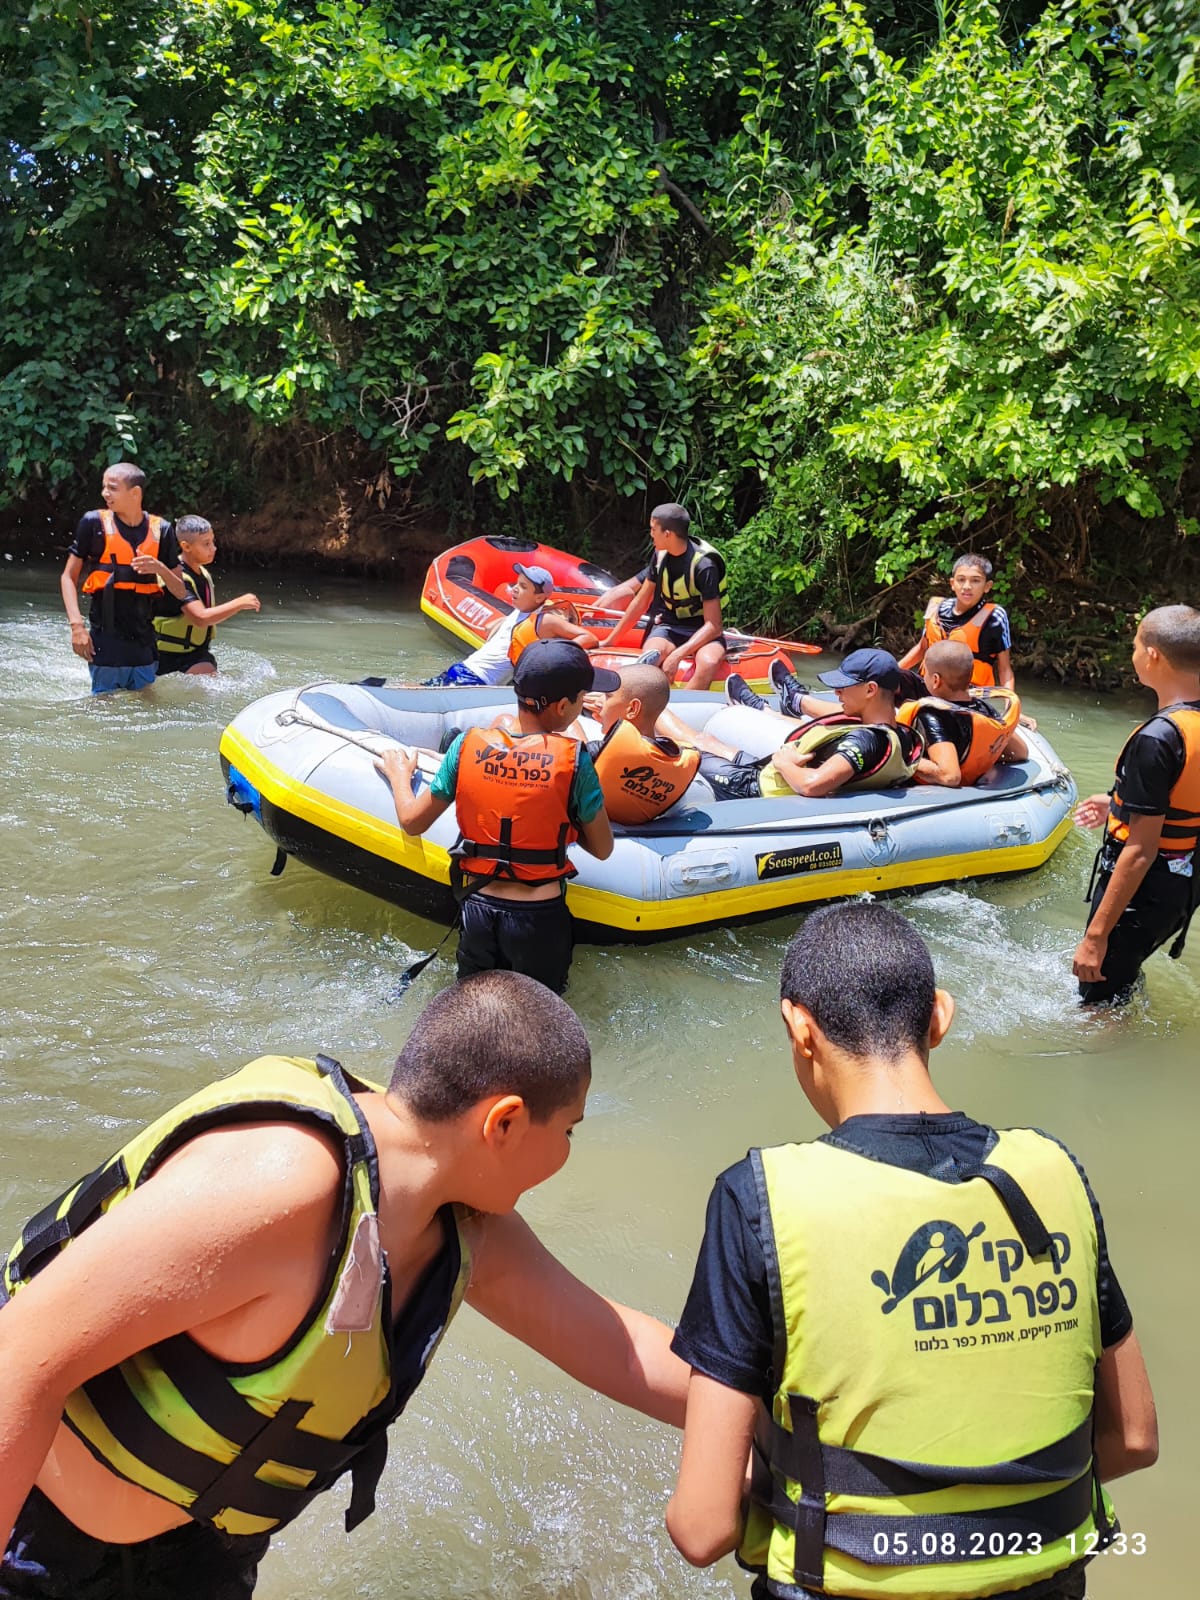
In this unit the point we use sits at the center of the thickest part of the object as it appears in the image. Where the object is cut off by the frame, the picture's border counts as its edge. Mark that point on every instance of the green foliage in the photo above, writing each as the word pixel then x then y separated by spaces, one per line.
pixel 858 281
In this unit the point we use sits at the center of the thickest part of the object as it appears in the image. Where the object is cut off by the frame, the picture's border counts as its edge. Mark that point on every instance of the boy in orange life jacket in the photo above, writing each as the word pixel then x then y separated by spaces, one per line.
pixel 520 800
pixel 119 554
pixel 543 618
pixel 971 617
pixel 1145 878
pixel 642 772
pixel 950 734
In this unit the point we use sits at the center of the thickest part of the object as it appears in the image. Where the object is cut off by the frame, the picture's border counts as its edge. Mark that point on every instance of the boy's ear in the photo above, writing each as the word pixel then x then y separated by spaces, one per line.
pixel 505 1118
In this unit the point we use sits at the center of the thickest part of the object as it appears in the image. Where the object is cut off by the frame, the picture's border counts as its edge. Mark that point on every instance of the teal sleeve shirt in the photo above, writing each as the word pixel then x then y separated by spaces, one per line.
pixel 584 803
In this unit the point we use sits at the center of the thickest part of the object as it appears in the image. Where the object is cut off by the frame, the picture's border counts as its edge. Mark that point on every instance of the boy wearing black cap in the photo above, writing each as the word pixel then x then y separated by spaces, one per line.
pixel 870 751
pixel 520 800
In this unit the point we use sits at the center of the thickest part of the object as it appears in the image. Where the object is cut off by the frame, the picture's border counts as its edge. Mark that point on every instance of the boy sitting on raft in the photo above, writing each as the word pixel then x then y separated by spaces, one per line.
pixel 972 619
pixel 183 628
pixel 231 1313
pixel 684 587
pixel 964 734
pixel 875 752
pixel 531 618
pixel 520 800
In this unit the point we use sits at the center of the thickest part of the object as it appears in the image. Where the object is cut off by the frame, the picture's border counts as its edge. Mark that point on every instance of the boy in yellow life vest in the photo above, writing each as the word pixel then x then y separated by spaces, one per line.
pixel 520 800
pixel 684 588
pixel 865 748
pixel 909 1326
pixel 224 1320
pixel 118 556
pixel 1147 873
pixel 183 628
pixel 970 617
pixel 965 734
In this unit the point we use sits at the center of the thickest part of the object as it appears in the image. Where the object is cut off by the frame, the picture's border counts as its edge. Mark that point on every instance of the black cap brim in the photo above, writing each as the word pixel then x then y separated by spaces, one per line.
pixel 604 681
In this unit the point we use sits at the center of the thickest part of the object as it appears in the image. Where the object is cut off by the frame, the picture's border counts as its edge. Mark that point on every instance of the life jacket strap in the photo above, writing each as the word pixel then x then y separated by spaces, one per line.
pixel 48 1230
pixel 1032 1231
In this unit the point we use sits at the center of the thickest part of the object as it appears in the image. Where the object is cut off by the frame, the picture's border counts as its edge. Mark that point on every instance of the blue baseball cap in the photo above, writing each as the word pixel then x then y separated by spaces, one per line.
pixel 865 666
pixel 558 669
pixel 538 576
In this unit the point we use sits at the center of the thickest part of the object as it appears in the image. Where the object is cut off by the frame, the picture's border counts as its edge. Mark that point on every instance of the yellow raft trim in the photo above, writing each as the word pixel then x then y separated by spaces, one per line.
pixel 448 621
pixel 429 860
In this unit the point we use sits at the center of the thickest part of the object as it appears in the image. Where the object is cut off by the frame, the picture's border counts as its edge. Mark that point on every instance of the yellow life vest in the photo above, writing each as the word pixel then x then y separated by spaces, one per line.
pixel 931 1430
pixel 246 1450
pixel 178 634
pixel 823 732
pixel 680 600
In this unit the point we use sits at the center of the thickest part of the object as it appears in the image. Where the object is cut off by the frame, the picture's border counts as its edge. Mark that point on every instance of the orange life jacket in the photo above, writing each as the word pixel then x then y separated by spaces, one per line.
pixel 988 736
pixel 529 629
pixel 641 778
pixel 115 567
pixel 1181 829
pixel 968 633
pixel 511 801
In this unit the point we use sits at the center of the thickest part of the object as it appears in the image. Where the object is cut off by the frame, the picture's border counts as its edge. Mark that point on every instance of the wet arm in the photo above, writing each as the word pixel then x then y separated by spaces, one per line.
pixel 81 639
pixel 634 609
pixel 939 766
pixel 711 628
pixel 814 782
pixel 1126 1420
pixel 517 1284
pixel 221 1225
pixel 704 1515
pixel 1134 861
pixel 556 627
pixel 596 836
pixel 1004 670
pixel 209 616
pixel 414 813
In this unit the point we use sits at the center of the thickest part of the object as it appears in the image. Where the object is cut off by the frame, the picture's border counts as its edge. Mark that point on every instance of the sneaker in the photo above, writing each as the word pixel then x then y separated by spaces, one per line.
pixel 650 658
pixel 739 693
pixel 789 689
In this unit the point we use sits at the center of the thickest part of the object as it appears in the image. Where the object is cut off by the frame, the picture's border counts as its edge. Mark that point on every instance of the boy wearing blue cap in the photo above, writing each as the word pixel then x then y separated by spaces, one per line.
pixel 493 662
pixel 864 748
pixel 520 799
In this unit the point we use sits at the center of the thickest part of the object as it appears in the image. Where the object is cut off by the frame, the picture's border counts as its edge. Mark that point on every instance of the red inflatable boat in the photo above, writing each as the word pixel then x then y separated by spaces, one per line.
pixel 466 592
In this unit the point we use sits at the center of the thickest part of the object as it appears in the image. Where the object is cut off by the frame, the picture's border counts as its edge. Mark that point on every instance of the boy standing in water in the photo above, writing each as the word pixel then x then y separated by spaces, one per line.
pixel 118 555
pixel 971 617
pixel 1145 878
pixel 225 1318
pixel 520 800
pixel 183 628
pixel 910 1291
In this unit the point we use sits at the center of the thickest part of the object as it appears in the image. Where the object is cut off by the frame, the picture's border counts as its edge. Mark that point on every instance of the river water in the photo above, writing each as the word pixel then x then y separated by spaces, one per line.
pixel 147 950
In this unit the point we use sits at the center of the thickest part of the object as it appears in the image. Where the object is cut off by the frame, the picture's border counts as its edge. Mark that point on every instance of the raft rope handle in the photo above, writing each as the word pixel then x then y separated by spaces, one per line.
pixel 293 718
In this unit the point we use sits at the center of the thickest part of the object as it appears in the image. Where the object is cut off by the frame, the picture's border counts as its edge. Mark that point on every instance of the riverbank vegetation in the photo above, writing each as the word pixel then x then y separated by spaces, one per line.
pixel 862 283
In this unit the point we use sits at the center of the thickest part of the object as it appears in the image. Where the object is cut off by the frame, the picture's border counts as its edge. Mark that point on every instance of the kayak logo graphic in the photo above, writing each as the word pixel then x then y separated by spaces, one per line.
pixel 937 1248
pixel 646 783
pixel 1008 1294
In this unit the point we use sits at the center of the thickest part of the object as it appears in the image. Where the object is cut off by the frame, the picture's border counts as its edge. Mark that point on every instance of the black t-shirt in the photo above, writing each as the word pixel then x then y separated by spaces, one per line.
pixel 727 1330
pixel 938 726
pixel 706 579
pixel 1149 767
pixel 121 623
pixel 995 634
pixel 867 747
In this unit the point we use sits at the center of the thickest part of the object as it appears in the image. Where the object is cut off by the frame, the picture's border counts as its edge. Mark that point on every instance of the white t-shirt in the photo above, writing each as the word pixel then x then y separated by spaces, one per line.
pixel 490 662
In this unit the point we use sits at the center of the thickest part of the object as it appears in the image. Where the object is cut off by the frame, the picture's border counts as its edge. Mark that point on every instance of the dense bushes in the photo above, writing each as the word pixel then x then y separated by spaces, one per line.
pixel 855 281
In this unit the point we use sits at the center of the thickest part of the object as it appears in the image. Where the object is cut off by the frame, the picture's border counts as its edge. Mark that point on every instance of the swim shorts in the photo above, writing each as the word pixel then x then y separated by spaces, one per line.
pixel 48 1558
pixel 456 676
pixel 677 633
pixel 535 937
pixel 106 679
pixel 1156 913
pixel 183 660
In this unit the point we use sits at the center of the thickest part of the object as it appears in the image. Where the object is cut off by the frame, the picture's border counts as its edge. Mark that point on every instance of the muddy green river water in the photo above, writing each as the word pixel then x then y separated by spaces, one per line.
pixel 146 950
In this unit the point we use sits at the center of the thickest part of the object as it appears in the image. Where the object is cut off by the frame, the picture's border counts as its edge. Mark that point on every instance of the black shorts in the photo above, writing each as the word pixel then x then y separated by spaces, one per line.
pixel 733 780
pixel 677 633
pixel 48 1558
pixel 535 937
pixel 1070 1584
pixel 181 660
pixel 1156 913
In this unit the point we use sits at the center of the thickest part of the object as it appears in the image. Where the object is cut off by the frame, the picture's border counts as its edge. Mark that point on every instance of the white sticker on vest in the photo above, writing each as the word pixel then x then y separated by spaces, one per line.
pixel 359 1289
